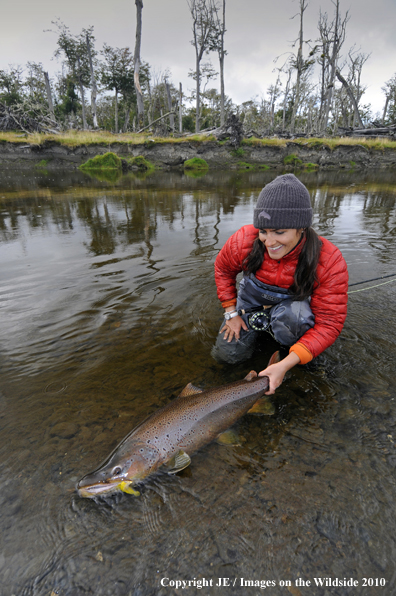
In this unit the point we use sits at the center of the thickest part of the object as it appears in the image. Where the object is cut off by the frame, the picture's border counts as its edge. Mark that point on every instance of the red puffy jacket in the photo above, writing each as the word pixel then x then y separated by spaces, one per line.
pixel 329 297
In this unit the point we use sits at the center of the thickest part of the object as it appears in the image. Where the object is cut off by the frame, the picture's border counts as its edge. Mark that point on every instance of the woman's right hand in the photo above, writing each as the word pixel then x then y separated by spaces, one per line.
pixel 232 328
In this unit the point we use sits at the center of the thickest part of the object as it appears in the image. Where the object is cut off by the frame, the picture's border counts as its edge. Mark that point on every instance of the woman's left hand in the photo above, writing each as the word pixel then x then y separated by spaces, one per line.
pixel 276 372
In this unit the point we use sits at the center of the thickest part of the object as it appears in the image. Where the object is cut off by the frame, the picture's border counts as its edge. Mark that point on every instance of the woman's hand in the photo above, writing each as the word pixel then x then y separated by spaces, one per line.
pixel 276 372
pixel 232 328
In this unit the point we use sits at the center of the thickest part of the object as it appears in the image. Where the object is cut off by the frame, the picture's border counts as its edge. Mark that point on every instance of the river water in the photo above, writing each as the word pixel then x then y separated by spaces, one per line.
pixel 109 309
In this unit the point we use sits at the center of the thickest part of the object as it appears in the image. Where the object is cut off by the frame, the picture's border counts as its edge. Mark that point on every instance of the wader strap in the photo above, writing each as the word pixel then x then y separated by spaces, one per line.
pixel 254 294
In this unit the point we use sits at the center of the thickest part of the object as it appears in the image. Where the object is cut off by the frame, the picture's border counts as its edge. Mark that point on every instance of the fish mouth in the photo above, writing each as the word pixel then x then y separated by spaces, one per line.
pixel 91 491
pixel 98 489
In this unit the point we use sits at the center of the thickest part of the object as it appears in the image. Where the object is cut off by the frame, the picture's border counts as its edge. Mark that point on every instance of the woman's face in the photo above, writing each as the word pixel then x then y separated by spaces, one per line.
pixel 280 242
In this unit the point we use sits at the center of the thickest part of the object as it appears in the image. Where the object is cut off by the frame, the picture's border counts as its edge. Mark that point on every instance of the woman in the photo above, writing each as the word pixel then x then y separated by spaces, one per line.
pixel 294 282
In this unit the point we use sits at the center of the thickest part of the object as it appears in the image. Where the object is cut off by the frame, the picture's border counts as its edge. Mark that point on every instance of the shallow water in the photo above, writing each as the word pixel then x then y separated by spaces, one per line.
pixel 109 309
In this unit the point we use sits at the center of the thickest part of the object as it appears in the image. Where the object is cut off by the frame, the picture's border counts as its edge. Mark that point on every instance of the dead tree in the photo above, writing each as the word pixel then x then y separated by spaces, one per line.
pixel 28 117
pixel 172 115
pixel 351 96
pixel 138 42
pixel 94 89
pixel 332 38
pixel 299 64
pixel 49 96
pixel 220 27
pixel 202 14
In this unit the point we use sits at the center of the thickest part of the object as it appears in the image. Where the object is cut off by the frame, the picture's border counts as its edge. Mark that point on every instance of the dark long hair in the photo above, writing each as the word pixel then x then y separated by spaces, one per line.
pixel 305 273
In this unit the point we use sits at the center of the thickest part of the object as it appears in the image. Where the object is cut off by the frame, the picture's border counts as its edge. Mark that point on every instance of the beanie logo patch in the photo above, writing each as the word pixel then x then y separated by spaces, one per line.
pixel 265 214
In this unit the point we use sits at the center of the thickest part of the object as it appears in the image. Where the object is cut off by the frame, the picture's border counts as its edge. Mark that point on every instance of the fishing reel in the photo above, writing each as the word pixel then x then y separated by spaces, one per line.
pixel 259 321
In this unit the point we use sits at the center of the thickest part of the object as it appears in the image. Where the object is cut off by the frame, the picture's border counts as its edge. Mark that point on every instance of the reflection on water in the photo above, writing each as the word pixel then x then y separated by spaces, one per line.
pixel 108 309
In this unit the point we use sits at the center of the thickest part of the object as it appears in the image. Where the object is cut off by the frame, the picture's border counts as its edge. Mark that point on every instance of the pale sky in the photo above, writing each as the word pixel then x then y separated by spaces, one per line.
pixel 257 32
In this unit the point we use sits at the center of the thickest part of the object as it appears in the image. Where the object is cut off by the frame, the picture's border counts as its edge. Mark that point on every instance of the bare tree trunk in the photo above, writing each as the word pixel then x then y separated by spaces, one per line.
pixel 337 30
pixel 127 116
pixel 202 13
pixel 180 108
pixel 299 65
pixel 285 100
pixel 351 96
pixel 80 84
pixel 93 84
pixel 156 120
pixel 49 96
pixel 116 112
pixel 150 109
pixel 171 116
pixel 198 93
pixel 139 95
pixel 221 62
pixel 385 109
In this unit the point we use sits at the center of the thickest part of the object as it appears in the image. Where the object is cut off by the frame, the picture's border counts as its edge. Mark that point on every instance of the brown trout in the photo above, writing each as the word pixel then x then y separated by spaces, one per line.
pixel 174 432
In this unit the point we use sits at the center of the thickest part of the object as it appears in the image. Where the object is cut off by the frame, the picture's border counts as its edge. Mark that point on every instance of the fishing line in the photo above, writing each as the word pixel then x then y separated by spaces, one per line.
pixel 371 287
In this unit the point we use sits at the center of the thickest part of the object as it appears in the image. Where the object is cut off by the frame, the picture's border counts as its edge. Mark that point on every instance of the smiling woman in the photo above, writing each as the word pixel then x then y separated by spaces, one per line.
pixel 294 285
pixel 280 242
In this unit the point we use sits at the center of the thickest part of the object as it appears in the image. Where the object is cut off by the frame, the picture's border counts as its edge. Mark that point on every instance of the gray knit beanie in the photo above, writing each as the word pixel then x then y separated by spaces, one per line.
pixel 284 203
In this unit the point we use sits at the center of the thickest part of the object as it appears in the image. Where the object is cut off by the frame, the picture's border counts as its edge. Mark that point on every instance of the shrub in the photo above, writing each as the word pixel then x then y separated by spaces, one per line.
pixel 292 160
pixel 107 161
pixel 140 162
pixel 195 163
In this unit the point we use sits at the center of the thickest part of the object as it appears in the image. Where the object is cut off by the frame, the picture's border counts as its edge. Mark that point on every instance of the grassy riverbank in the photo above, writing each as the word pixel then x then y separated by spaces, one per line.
pixel 81 138
pixel 74 148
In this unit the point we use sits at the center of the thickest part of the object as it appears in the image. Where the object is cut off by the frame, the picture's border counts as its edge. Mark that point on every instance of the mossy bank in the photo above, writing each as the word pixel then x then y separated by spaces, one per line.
pixel 74 150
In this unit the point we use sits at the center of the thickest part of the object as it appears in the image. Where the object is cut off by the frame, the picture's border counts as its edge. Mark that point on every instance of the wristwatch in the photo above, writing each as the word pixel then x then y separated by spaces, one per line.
pixel 230 315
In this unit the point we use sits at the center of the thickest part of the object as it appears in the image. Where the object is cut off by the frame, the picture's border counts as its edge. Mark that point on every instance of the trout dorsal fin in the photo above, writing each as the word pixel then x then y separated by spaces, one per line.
pixel 274 358
pixel 190 389
pixel 250 376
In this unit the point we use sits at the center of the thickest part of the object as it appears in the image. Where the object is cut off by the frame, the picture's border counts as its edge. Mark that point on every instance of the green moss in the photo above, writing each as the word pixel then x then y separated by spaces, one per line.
pixel 314 143
pixel 141 162
pixel 195 163
pixel 107 161
pixel 311 166
pixel 243 165
pixel 292 160
pixel 352 164
pixel 238 152
pixel 263 166
pixel 42 164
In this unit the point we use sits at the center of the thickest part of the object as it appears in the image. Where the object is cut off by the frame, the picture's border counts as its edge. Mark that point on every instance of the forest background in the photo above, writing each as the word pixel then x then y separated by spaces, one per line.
pixel 303 67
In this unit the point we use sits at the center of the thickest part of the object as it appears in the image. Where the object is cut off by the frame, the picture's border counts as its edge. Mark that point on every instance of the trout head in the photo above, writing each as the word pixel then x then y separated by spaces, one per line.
pixel 120 471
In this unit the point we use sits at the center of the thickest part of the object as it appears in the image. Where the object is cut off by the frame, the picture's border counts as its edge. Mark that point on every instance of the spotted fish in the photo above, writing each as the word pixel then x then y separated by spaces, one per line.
pixel 173 433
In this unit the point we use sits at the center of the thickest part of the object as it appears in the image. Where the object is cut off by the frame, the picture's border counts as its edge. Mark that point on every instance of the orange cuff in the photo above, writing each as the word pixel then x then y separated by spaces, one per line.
pixel 228 303
pixel 302 352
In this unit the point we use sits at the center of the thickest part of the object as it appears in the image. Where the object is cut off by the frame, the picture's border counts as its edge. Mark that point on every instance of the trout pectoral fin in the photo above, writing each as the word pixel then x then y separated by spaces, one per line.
pixel 190 389
pixel 126 488
pixel 229 437
pixel 250 376
pixel 180 461
pixel 262 407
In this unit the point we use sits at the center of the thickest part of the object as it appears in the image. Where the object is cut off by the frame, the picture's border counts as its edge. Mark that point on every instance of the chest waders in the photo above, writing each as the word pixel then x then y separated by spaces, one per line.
pixel 264 308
